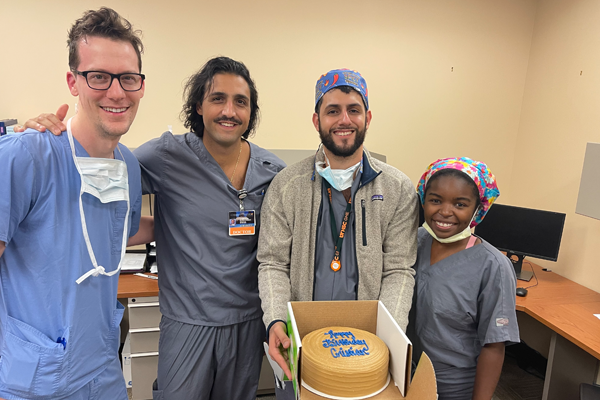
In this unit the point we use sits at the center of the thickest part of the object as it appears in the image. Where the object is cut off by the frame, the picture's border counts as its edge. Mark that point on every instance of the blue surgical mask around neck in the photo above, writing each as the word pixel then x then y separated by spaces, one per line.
pixel 339 179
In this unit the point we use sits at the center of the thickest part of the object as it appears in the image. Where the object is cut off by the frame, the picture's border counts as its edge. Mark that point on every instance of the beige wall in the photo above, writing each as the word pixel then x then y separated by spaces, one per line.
pixel 405 49
pixel 494 80
pixel 560 115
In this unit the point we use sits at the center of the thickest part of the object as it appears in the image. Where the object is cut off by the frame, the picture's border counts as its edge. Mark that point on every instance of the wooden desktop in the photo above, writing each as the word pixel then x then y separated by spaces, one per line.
pixel 136 286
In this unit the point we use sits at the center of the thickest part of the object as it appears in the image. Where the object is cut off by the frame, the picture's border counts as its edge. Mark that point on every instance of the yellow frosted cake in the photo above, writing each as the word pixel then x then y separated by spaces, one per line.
pixel 344 362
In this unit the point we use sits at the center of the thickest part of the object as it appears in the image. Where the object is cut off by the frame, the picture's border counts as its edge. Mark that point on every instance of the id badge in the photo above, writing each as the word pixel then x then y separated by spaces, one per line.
pixel 241 223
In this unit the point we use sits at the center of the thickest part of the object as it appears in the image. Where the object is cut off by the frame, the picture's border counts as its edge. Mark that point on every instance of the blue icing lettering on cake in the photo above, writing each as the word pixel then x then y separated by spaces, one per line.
pixel 343 362
pixel 338 339
pixel 350 352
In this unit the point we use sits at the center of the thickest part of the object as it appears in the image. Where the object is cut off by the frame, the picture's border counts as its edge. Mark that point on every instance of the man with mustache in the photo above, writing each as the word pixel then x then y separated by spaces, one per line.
pixel 205 181
pixel 340 225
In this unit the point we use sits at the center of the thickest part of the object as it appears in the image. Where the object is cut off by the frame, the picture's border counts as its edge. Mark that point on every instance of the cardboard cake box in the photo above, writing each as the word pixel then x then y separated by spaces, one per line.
pixel 371 316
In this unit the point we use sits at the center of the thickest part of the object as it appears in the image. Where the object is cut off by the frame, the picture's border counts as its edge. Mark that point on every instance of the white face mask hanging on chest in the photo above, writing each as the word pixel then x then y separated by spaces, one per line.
pixel 107 180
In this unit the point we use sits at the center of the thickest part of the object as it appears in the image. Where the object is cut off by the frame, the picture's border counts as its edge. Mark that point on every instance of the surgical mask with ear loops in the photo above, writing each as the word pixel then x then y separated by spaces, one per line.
pixel 454 238
pixel 339 179
pixel 108 181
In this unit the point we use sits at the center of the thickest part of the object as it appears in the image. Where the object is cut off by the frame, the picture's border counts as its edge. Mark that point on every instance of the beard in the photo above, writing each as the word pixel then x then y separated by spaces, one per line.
pixel 347 149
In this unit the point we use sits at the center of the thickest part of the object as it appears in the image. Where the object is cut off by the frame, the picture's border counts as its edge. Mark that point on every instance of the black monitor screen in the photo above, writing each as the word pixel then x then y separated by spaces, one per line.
pixel 523 231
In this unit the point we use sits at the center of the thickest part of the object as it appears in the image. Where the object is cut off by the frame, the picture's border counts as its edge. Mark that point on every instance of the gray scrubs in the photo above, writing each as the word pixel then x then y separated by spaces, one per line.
pixel 218 362
pixel 330 284
pixel 460 304
pixel 206 277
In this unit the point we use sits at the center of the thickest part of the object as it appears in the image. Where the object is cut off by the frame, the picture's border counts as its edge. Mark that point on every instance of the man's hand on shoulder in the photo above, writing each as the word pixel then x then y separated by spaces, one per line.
pixel 52 122
pixel 278 343
pixel 2 247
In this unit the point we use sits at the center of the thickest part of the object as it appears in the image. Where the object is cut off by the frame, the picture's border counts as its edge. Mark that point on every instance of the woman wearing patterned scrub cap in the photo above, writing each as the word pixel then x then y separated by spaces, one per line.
pixel 463 310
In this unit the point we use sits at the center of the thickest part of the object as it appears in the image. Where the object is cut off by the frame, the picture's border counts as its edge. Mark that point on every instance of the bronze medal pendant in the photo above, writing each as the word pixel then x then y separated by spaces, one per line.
pixel 336 265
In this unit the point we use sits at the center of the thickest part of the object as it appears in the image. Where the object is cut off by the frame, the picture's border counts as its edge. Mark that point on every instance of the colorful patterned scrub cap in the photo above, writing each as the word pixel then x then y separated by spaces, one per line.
pixel 478 171
pixel 342 77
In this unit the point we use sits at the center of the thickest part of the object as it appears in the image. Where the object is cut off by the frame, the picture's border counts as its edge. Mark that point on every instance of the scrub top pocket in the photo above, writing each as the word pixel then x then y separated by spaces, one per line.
pixel 31 363
pixel 452 312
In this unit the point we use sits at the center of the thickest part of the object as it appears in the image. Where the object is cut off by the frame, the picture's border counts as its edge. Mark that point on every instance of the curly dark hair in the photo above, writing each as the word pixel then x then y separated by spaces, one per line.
pixel 105 23
pixel 200 83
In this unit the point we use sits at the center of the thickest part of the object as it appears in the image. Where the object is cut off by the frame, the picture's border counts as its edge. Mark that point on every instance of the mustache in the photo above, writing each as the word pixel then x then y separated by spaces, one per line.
pixel 226 119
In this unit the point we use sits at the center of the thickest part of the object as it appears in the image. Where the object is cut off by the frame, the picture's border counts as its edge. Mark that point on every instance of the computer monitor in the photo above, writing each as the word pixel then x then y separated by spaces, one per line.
pixel 523 232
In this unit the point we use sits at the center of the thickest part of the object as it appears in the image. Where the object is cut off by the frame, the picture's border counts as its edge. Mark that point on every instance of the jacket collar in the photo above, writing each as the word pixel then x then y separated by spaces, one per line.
pixel 370 171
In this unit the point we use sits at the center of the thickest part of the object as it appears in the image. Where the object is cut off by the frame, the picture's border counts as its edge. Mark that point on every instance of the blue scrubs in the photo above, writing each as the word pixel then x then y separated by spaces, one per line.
pixel 56 337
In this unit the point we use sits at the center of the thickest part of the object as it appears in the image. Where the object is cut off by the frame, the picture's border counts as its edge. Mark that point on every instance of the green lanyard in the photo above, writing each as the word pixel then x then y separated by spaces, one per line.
pixel 338 239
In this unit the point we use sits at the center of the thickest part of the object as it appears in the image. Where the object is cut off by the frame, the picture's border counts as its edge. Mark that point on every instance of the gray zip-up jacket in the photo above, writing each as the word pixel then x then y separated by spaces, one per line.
pixel 386 218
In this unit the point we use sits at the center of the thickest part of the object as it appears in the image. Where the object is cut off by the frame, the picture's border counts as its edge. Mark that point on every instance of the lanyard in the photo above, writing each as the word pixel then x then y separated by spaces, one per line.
pixel 338 239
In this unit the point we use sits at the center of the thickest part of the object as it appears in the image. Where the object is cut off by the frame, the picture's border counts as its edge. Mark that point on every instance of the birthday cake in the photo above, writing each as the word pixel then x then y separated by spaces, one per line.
pixel 344 362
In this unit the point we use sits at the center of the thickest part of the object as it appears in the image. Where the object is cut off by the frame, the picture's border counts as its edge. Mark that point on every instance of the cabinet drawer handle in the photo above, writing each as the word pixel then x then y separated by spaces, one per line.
pixel 142 330
pixel 151 354
pixel 153 304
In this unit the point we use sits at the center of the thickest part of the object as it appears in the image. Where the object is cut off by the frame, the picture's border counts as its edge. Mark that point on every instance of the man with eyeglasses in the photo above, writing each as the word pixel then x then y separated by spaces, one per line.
pixel 69 206
pixel 99 80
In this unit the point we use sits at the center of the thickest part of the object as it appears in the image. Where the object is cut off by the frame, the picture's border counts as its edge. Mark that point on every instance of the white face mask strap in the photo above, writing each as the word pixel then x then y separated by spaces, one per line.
pixel 474 215
pixel 125 230
pixel 86 236
pixel 120 153
pixel 327 163
pixel 98 269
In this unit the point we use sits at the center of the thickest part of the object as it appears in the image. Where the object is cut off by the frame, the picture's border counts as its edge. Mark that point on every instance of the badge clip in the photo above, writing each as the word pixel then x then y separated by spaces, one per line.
pixel 242 195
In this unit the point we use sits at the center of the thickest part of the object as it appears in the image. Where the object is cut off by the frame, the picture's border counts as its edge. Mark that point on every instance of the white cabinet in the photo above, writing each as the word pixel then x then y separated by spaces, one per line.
pixel 144 319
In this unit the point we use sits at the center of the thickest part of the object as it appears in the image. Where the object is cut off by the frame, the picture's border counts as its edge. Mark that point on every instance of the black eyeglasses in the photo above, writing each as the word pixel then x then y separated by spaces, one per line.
pixel 99 80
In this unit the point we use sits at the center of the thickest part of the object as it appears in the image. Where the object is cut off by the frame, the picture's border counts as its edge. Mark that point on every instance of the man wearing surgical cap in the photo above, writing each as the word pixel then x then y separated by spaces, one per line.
pixel 463 310
pixel 340 225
